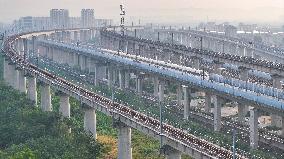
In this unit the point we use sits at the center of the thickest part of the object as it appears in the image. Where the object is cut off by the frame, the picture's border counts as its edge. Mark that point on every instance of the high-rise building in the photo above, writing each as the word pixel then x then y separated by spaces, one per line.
pixel 59 18
pixel 41 22
pixel 24 23
pixel 87 18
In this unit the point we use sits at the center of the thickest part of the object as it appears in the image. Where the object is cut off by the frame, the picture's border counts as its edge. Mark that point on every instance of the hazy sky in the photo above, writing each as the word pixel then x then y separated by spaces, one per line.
pixel 159 10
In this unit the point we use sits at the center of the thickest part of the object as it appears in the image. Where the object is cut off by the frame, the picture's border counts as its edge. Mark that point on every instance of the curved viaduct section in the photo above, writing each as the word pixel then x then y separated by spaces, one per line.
pixel 17 70
pixel 225 44
pixel 92 60
pixel 184 55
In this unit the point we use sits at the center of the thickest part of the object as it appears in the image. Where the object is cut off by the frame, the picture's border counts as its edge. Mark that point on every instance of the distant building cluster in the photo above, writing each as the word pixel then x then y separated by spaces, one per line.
pixel 224 28
pixel 60 18
pixel 87 18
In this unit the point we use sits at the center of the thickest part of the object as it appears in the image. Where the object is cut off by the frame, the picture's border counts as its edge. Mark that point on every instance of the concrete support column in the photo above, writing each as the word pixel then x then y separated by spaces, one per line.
pixel 249 52
pixel 81 35
pixel 45 99
pixel 161 91
pixel 127 79
pixel 76 38
pixel 253 122
pixel 64 108
pixel 15 77
pixel 99 73
pixel 277 81
pixel 173 154
pixel 139 84
pixel 156 86
pixel 22 82
pixel 124 142
pixel 75 59
pixel 5 70
pixel 179 94
pixel 90 122
pixel 187 101
pixel 25 53
pixel 110 76
pixel 82 62
pixel 32 93
pixel 242 111
pixel 195 62
pixel 243 73
pixel 121 79
pixel 217 67
pixel 275 119
pixel 282 127
pixel 9 74
pixel 218 102
pixel 207 107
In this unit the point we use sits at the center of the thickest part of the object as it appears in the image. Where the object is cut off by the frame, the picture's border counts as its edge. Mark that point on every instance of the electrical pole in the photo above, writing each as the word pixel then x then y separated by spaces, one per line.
pixel 201 43
pixel 172 35
pixel 161 125
pixel 234 143
pixel 122 26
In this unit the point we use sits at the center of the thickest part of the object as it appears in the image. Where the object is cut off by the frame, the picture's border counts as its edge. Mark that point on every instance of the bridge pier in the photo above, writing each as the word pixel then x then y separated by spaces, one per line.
pixel 90 121
pixel 82 36
pixel 15 77
pixel 9 74
pixel 207 107
pixel 75 36
pixel 111 76
pixel 187 100
pixel 282 127
pixel 20 46
pixel 75 60
pixel 5 70
pixel 172 153
pixel 242 108
pixel 45 99
pixel 217 67
pixel 121 79
pixel 243 73
pixel 98 72
pixel 254 128
pixel 22 82
pixel 124 142
pixel 179 94
pixel 64 108
pixel 218 102
pixel 249 52
pixel 242 111
pixel 242 51
pixel 156 86
pixel 161 91
pixel 275 119
pixel 139 83
pixel 127 78
pixel 195 62
pixel 32 92
pixel 82 62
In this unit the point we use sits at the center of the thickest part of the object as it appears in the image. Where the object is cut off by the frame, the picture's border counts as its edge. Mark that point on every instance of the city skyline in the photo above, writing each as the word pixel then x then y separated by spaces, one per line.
pixel 264 11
